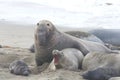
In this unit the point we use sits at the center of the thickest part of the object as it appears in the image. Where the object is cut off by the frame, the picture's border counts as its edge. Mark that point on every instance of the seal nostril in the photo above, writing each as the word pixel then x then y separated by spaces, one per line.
pixel 37 24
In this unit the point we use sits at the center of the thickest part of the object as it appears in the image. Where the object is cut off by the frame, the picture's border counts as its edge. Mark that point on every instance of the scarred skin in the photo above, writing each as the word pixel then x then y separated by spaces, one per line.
pixel 48 38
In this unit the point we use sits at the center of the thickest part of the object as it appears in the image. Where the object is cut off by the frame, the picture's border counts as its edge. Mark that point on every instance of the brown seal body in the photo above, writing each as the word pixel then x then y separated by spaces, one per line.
pixel 85 36
pixel 69 58
pixel 48 38
pixel 101 66
pixel 78 34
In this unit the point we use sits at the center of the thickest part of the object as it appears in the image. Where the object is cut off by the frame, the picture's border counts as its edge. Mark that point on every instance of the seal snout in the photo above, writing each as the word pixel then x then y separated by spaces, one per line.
pixel 26 73
pixel 55 52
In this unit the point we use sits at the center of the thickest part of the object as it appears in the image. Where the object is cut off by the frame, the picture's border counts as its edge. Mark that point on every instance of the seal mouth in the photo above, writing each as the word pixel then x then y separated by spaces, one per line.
pixel 56 59
pixel 56 56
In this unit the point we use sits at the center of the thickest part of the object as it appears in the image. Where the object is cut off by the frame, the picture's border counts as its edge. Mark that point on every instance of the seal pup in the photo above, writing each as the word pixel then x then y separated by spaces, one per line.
pixel 19 67
pixel 69 58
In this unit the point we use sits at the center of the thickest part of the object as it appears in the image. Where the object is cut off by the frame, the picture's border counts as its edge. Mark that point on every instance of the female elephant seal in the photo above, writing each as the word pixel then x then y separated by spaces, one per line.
pixel 19 67
pixel 69 58
pixel 48 38
pixel 85 36
pixel 110 36
pixel 101 66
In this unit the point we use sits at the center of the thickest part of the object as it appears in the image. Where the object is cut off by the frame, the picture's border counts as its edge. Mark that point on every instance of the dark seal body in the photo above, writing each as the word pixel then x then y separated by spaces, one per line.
pixel 109 36
pixel 19 67
pixel 48 38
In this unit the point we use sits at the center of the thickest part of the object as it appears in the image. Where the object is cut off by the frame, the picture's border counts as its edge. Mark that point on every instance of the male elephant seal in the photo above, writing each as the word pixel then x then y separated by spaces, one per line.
pixel 78 34
pixel 19 67
pixel 48 38
pixel 69 58
pixel 101 66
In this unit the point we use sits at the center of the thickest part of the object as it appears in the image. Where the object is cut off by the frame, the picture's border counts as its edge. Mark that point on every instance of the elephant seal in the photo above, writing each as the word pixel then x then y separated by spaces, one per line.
pixel 19 67
pixel 78 34
pixel 101 66
pixel 110 36
pixel 85 36
pixel 48 38
pixel 101 74
pixel 69 58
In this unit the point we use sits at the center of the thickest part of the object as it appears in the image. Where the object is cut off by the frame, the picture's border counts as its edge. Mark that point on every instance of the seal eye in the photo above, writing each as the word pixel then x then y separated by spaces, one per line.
pixel 48 24
pixel 37 24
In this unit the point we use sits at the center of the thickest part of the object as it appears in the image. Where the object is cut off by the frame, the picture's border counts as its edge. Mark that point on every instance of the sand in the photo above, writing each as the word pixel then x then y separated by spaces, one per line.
pixel 16 35
pixel 18 38
pixel 7 55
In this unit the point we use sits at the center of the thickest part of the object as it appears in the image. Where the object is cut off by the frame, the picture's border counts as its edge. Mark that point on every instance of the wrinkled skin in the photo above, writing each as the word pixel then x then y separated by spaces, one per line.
pixel 43 34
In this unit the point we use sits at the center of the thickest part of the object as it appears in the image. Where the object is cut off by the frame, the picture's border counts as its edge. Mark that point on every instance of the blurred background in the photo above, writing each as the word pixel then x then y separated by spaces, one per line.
pixel 65 13
pixel 18 18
